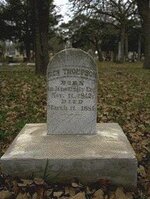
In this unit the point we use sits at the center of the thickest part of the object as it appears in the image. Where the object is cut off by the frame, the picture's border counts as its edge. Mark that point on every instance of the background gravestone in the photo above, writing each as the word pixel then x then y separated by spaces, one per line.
pixel 72 93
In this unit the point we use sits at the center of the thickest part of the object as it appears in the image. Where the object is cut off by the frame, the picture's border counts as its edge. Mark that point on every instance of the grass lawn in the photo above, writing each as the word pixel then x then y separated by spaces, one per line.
pixel 123 97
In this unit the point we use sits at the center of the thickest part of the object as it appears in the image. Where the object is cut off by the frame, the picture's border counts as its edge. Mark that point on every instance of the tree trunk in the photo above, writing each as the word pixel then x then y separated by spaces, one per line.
pixel 119 51
pixel 27 30
pixel 115 56
pixel 139 47
pixel 100 57
pixel 27 48
pixel 41 18
pixel 98 48
pixel 126 46
pixel 122 58
pixel 144 10
pixel 147 41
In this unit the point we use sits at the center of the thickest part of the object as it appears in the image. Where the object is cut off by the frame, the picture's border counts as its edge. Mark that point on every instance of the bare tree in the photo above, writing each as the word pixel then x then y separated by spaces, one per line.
pixel 41 22
pixel 116 12
pixel 144 11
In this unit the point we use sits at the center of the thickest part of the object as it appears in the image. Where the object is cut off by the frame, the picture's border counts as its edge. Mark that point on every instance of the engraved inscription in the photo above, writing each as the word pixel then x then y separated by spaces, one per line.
pixel 71 72
pixel 72 93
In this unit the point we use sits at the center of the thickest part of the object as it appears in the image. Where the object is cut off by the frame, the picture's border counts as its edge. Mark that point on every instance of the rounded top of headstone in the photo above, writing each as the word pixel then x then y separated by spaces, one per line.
pixel 72 57
pixel 72 93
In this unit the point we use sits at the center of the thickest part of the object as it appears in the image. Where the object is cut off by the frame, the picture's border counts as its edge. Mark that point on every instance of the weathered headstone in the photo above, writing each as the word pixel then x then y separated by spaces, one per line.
pixel 72 144
pixel 72 93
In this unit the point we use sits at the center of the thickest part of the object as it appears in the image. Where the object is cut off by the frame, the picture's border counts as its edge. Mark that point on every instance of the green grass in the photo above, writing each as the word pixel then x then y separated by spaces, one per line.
pixel 122 95
pixel 124 87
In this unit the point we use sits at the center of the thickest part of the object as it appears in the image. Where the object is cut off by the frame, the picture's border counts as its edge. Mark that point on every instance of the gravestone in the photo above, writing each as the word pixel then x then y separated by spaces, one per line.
pixel 72 144
pixel 72 93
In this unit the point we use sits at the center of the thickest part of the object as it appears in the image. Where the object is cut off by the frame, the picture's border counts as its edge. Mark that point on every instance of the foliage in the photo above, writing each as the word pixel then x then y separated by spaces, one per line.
pixel 117 12
pixel 120 14
pixel 18 22
pixel 56 43
pixel 93 33
pixel 17 17
pixel 7 30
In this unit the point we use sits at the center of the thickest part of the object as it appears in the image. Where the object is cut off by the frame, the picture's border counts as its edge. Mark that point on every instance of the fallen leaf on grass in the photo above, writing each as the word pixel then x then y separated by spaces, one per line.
pixel 27 182
pixel 23 196
pixel 99 194
pixel 120 193
pixel 15 188
pixel 38 181
pixel 5 195
pixel 40 192
pixel 80 195
pixel 129 195
pixel 49 193
pixel 58 194
pixel 76 185
pixel 70 190
pixel 35 196
pixel 141 171
pixel 112 196
pixel 88 191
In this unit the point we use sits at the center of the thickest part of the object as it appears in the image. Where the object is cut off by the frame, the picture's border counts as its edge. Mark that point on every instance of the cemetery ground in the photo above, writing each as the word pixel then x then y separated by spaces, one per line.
pixel 123 97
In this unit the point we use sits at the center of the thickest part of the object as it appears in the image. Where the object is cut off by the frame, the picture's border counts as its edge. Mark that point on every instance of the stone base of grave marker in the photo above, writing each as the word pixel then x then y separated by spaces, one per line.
pixel 59 158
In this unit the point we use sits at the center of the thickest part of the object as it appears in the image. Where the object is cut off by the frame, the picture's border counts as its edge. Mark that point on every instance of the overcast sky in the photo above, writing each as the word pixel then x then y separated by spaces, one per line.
pixel 63 8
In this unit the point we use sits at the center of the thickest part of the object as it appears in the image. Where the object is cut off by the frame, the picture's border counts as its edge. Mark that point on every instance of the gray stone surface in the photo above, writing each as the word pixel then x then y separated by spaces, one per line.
pixel 72 93
pixel 14 64
pixel 30 64
pixel 106 154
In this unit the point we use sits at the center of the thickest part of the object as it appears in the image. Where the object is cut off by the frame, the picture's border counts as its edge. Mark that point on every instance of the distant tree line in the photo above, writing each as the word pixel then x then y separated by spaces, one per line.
pixel 112 25
pixel 103 25
pixel 32 24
